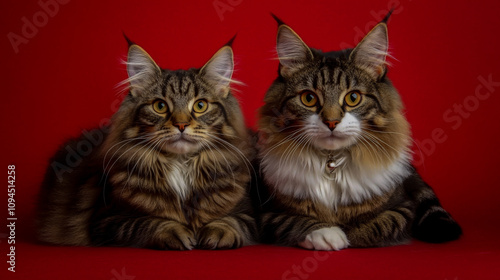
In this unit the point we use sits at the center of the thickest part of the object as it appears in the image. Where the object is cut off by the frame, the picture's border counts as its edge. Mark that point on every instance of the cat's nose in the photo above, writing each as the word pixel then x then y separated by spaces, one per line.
pixel 331 124
pixel 181 125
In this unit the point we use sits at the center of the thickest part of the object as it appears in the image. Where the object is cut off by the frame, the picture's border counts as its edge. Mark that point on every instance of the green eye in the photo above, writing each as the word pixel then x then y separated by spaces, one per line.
pixel 353 98
pixel 309 98
pixel 200 106
pixel 160 106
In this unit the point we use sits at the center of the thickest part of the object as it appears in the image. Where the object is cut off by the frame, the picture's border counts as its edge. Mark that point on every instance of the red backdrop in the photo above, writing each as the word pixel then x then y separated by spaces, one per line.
pixel 61 63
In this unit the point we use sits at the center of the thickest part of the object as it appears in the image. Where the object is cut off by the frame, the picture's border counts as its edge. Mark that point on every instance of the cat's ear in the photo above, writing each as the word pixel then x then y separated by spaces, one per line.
pixel 219 70
pixel 371 53
pixel 293 53
pixel 141 68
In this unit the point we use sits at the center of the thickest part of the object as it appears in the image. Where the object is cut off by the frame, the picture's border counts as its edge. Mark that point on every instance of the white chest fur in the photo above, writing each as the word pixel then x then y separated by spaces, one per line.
pixel 178 176
pixel 305 176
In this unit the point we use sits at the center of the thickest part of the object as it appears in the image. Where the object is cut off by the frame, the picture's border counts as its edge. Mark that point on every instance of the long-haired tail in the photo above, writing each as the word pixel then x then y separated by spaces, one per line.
pixel 432 223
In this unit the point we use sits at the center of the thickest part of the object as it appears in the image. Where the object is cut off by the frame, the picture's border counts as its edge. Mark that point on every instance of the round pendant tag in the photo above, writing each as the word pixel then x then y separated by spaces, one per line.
pixel 331 165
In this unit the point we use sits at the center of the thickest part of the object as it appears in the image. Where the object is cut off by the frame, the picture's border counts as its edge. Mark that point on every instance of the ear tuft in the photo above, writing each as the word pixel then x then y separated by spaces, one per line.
pixel 219 70
pixel 230 42
pixel 129 42
pixel 292 51
pixel 277 19
pixel 387 16
pixel 371 53
pixel 141 68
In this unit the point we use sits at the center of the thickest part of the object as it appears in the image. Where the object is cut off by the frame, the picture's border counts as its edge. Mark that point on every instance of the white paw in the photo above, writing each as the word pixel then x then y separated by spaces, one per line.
pixel 326 239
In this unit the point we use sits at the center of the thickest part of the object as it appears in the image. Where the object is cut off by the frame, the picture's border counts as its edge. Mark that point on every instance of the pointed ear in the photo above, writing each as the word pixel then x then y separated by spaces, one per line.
pixel 219 70
pixel 292 51
pixel 371 53
pixel 141 68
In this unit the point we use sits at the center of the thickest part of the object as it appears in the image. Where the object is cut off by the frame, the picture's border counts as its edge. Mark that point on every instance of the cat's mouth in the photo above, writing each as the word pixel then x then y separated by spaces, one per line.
pixel 182 138
pixel 180 144
pixel 333 140
pixel 335 135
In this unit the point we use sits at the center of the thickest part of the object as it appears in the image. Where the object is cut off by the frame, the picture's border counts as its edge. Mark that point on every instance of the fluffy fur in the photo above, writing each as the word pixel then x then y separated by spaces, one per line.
pixel 173 171
pixel 339 109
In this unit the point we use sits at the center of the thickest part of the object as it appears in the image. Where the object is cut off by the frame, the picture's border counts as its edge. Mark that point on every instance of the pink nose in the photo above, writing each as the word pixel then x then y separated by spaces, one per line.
pixel 331 124
pixel 181 125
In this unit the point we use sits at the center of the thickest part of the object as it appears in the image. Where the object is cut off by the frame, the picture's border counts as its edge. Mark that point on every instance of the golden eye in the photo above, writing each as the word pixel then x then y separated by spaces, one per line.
pixel 160 106
pixel 353 98
pixel 200 106
pixel 309 98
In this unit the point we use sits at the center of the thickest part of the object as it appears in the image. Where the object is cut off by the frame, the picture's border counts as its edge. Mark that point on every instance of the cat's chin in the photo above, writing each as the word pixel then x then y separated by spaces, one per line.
pixel 180 147
pixel 332 142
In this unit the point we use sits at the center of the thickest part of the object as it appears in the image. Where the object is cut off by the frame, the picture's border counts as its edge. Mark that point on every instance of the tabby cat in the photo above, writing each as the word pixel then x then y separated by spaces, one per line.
pixel 172 172
pixel 335 152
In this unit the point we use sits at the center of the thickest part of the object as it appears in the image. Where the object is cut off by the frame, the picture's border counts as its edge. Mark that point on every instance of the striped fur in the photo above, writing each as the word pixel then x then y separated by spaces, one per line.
pixel 374 197
pixel 175 178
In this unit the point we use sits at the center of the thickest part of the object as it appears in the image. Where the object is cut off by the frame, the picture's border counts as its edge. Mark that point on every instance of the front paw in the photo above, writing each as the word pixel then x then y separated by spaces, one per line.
pixel 219 235
pixel 176 237
pixel 326 239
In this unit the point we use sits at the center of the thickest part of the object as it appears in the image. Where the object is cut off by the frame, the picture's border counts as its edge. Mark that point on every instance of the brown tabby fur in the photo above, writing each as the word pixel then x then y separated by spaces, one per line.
pixel 141 188
pixel 294 206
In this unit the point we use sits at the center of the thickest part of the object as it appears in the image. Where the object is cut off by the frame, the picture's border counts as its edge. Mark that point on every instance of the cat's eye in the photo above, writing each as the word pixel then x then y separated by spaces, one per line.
pixel 160 106
pixel 200 106
pixel 309 98
pixel 353 98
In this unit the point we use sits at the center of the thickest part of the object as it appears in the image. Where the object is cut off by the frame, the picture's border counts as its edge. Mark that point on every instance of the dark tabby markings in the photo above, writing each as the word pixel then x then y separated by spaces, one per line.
pixel 148 232
pixel 143 188
pixel 284 229
pixel 407 207
pixel 368 225
pixel 229 232
pixel 388 228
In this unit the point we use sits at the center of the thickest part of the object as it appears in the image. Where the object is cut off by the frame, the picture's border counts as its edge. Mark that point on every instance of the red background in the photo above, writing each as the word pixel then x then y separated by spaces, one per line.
pixel 62 80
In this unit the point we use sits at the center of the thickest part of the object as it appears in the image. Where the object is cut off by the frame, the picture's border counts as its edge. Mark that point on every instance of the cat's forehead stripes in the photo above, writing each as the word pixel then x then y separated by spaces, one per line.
pixel 179 84
pixel 333 76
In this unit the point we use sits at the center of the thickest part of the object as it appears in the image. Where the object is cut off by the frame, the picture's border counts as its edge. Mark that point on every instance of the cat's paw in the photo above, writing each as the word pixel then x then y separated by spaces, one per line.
pixel 176 237
pixel 326 239
pixel 218 235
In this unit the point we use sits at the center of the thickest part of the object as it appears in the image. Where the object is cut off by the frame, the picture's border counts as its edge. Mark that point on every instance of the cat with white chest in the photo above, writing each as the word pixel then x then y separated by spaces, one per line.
pixel 335 152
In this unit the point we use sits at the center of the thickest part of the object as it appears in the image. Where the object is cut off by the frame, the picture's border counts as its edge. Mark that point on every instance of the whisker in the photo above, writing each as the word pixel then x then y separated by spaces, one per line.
pixel 107 170
pixel 371 149
pixel 284 140
pixel 381 141
pixel 104 166
pixel 225 159
pixel 148 149
pixel 378 145
pixel 223 142
pixel 402 134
